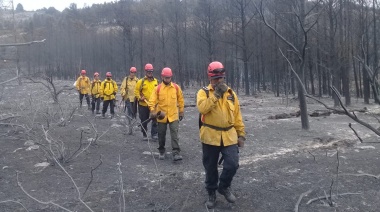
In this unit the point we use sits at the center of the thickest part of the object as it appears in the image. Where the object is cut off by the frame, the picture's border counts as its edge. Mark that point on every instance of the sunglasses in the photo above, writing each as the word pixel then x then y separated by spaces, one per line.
pixel 218 71
pixel 149 71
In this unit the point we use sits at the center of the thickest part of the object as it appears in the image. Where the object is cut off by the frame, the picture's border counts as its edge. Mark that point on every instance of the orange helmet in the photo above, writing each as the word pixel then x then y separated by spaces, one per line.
pixel 166 72
pixel 215 70
pixel 148 67
pixel 133 70
pixel 108 74
pixel 83 72
pixel 96 74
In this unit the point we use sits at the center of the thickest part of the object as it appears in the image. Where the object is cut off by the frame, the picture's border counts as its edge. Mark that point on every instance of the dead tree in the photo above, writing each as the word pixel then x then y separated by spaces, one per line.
pixel 299 49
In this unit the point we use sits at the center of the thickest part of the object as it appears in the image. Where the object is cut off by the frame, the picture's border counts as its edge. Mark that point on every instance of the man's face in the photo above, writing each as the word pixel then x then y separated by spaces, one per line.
pixel 83 75
pixel 96 77
pixel 167 80
pixel 213 82
pixel 108 78
pixel 132 74
pixel 149 73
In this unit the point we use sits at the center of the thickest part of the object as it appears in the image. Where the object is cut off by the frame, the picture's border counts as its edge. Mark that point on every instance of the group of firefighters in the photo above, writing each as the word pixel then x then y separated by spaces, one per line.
pixel 221 127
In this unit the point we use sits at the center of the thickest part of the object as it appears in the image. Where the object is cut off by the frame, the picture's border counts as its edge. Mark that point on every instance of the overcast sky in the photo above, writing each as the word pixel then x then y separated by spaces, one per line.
pixel 57 4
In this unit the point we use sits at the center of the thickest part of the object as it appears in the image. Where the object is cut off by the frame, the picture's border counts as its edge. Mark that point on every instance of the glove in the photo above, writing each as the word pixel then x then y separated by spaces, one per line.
pixel 78 91
pixel 153 115
pixel 102 98
pixel 161 115
pixel 220 89
pixel 114 93
pixel 181 116
pixel 241 140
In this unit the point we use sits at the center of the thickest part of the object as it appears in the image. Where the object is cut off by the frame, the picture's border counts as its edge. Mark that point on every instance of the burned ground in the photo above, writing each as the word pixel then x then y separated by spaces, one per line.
pixel 279 162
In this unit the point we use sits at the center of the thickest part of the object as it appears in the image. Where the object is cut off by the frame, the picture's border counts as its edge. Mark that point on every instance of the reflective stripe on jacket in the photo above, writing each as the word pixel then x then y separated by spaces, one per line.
pixel 220 115
pixel 108 89
pixel 83 84
pixel 147 89
pixel 95 88
pixel 168 99
pixel 127 88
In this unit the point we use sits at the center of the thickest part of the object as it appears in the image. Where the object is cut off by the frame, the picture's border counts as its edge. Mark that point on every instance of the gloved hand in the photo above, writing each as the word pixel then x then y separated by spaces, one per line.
pixel 114 93
pixel 181 115
pixel 220 89
pixel 153 115
pixel 142 98
pixel 241 140
pixel 78 91
pixel 102 98
pixel 161 115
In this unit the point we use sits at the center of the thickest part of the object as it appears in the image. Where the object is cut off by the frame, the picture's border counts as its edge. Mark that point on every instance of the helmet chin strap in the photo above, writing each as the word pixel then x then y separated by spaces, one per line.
pixel 166 83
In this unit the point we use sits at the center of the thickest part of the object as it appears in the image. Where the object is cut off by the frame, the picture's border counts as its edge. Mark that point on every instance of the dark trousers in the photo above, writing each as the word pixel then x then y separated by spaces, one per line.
pixel 128 108
pixel 81 99
pixel 173 127
pixel 210 162
pixel 105 106
pixel 95 102
pixel 144 115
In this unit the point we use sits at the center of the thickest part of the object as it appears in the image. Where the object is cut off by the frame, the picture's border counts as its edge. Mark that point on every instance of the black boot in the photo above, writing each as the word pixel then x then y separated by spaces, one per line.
pixel 211 202
pixel 226 192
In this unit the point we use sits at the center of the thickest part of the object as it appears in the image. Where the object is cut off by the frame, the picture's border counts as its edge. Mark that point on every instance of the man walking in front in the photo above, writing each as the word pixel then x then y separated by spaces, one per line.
pixel 83 87
pixel 221 132
pixel 167 105
pixel 143 90
pixel 108 93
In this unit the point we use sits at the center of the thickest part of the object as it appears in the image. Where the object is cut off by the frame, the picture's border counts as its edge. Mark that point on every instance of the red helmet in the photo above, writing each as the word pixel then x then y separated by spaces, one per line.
pixel 215 70
pixel 83 72
pixel 133 70
pixel 148 67
pixel 96 74
pixel 166 72
pixel 108 74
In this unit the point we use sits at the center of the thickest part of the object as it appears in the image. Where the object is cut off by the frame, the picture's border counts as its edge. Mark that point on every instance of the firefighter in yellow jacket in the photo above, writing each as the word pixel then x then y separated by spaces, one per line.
pixel 108 90
pixel 127 91
pixel 95 93
pixel 143 90
pixel 167 105
pixel 221 132
pixel 83 87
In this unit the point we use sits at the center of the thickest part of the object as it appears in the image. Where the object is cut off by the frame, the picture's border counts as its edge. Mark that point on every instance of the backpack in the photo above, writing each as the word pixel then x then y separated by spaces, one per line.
pixel 207 91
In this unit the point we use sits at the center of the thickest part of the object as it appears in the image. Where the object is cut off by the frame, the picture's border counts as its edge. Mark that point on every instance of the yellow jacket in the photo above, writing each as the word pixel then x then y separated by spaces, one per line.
pixel 220 113
pixel 83 84
pixel 168 98
pixel 108 89
pixel 95 88
pixel 127 89
pixel 147 89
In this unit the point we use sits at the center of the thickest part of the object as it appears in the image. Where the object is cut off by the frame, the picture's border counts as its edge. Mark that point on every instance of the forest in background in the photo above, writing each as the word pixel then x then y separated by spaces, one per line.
pixel 328 42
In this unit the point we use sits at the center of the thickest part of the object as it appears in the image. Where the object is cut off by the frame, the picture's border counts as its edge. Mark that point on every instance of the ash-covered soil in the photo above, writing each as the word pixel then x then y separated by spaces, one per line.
pixel 279 162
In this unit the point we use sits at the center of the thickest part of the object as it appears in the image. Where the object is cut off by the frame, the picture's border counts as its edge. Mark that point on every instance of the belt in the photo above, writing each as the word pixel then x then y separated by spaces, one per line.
pixel 217 128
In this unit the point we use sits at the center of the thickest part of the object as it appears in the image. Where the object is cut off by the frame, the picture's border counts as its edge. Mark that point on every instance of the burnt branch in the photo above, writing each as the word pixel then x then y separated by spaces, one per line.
pixel 92 175
pixel 24 44
pixel 300 199
pixel 326 197
pixel 357 135
pixel 353 116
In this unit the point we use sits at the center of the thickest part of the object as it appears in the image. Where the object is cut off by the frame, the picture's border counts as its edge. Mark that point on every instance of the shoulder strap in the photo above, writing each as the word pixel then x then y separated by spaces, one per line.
pixel 207 91
pixel 158 88
pixel 142 84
